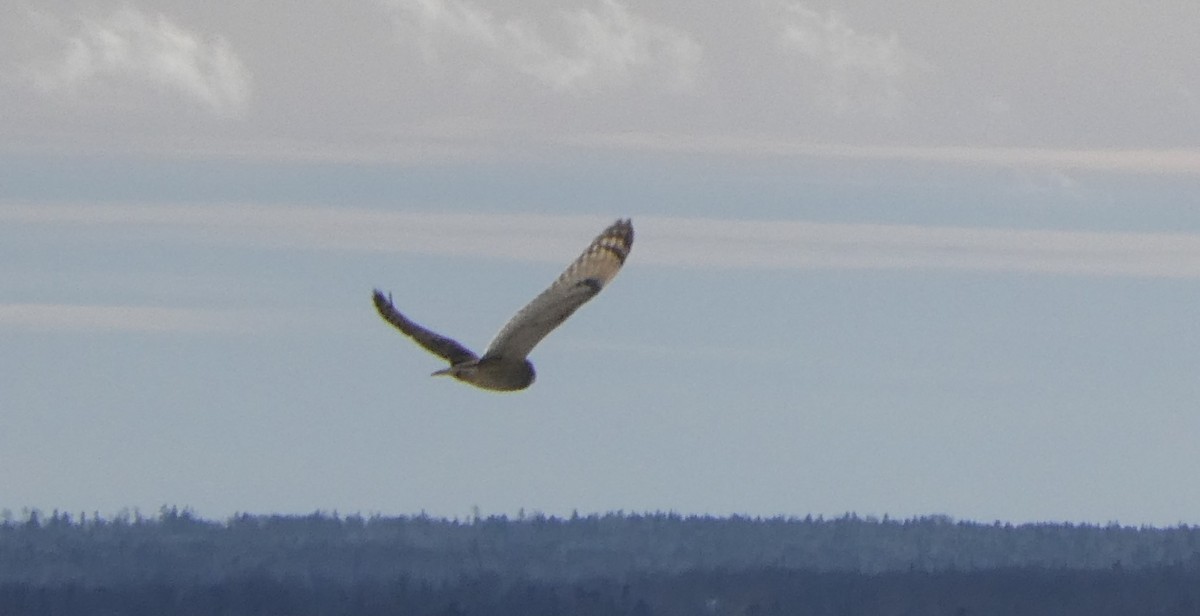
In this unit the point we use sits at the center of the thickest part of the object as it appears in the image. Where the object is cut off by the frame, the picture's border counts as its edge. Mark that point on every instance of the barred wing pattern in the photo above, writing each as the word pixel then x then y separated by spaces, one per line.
pixel 581 281
pixel 439 345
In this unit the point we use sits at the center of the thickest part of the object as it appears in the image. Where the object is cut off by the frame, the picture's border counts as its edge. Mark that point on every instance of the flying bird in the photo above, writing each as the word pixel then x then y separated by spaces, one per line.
pixel 503 366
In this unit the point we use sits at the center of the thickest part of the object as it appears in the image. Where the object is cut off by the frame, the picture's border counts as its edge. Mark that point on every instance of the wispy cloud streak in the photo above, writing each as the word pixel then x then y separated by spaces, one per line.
pixel 144 319
pixel 1184 161
pixel 671 242
pixel 809 245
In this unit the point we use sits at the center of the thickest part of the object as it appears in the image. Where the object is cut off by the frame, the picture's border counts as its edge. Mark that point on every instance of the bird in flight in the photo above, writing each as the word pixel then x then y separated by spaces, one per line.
pixel 503 366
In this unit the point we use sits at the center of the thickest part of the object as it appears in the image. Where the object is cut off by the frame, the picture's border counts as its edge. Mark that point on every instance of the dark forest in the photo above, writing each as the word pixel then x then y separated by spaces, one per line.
pixel 616 563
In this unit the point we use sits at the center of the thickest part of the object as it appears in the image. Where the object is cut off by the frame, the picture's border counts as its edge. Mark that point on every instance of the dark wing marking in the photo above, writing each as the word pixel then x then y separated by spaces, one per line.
pixel 581 281
pixel 439 345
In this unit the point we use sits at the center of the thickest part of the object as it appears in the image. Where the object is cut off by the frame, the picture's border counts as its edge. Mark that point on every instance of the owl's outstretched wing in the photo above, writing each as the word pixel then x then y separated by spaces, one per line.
pixel 581 281
pixel 439 345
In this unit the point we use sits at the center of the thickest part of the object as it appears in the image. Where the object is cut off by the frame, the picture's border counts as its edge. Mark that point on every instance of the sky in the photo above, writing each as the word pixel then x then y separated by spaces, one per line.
pixel 908 259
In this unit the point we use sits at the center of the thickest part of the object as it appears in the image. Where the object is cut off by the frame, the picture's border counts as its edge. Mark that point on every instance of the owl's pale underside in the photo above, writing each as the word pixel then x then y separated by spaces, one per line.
pixel 503 366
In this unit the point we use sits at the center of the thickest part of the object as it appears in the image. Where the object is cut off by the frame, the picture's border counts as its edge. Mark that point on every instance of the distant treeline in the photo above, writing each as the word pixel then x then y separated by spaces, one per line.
pixel 176 545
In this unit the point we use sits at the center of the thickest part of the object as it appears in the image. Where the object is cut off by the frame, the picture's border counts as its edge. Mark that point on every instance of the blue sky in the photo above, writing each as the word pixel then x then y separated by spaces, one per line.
pixel 926 261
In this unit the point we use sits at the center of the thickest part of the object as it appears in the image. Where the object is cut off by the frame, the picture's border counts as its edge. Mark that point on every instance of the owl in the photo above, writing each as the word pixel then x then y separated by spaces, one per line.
pixel 504 365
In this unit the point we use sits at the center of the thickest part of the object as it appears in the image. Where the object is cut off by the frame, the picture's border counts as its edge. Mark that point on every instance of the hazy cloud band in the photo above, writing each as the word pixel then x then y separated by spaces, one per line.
pixel 662 241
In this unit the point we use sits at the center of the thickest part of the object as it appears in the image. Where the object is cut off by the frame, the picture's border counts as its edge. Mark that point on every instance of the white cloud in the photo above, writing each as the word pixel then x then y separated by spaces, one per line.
pixel 606 47
pixel 1054 183
pixel 668 242
pixel 130 49
pixel 854 71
